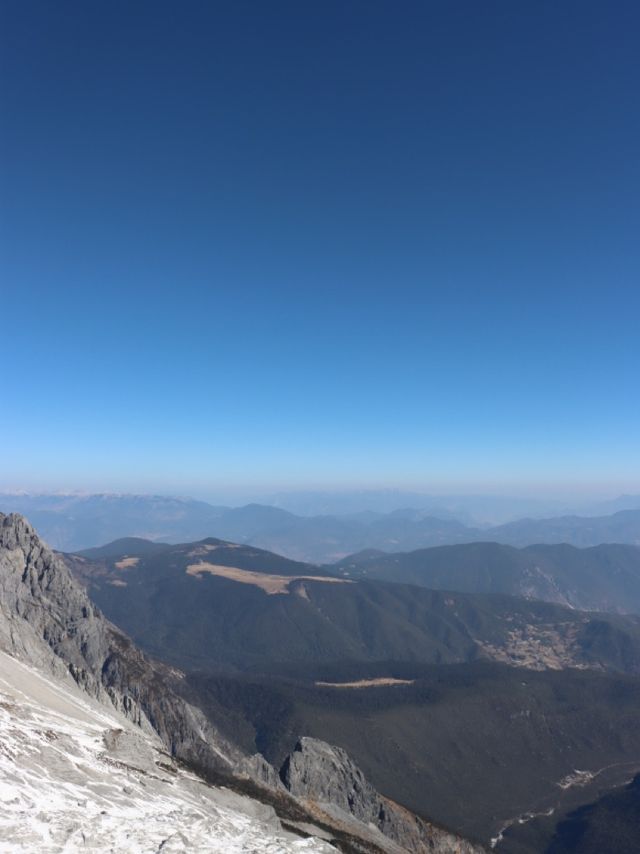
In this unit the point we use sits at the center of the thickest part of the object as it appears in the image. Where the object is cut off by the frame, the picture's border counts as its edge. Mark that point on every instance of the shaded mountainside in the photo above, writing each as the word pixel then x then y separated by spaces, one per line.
pixel 208 550
pixel 47 620
pixel 600 578
pixel 609 820
pixel 610 824
pixel 479 745
pixel 125 545
pixel 213 605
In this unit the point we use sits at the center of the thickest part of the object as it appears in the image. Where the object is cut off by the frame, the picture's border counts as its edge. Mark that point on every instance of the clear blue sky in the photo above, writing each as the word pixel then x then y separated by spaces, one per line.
pixel 306 243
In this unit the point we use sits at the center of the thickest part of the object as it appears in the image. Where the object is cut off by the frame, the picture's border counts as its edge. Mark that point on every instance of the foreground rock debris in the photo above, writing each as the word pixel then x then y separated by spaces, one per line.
pixel 75 775
pixel 98 751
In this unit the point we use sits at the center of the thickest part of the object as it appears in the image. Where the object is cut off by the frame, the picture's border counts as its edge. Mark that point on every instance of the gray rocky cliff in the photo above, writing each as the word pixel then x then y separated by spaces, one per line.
pixel 323 774
pixel 47 619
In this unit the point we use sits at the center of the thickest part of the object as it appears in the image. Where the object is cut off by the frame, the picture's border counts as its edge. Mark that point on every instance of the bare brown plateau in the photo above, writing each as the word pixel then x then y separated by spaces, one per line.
pixel 271 584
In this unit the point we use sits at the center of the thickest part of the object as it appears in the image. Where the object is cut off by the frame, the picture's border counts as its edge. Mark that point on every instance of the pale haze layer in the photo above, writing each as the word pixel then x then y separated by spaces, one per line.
pixel 249 247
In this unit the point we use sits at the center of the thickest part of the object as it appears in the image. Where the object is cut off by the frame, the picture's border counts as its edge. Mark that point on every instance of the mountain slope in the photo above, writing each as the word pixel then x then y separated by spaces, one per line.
pixel 606 818
pixel 75 775
pixel 603 578
pixel 479 745
pixel 125 545
pixel 47 621
pixel 40 601
pixel 391 673
pixel 611 823
pixel 214 606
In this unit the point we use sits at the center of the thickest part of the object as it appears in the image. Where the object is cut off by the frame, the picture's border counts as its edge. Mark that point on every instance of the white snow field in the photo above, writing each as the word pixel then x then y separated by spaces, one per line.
pixel 77 776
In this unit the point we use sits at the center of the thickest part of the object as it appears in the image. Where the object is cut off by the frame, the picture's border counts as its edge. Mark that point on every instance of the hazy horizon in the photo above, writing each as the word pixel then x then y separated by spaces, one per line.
pixel 235 495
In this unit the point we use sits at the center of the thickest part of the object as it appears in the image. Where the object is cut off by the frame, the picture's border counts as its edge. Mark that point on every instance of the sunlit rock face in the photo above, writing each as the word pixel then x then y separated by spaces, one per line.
pixel 47 620
pixel 76 776
pixel 326 775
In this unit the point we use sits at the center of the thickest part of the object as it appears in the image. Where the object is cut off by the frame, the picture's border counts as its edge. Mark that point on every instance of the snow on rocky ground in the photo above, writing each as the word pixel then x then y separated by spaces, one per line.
pixel 77 776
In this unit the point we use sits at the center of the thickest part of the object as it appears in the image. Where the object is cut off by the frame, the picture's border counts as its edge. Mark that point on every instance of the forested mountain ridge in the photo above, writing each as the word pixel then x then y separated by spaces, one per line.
pixel 598 578
pixel 215 605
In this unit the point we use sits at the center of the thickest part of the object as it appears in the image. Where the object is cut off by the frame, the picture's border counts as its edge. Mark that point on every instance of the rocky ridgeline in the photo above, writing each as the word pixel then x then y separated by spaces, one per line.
pixel 47 620
pixel 40 601
pixel 326 775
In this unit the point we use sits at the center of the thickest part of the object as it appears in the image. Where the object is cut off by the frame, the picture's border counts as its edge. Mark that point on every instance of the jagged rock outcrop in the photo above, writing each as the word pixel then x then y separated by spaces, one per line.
pixel 323 774
pixel 257 768
pixel 41 602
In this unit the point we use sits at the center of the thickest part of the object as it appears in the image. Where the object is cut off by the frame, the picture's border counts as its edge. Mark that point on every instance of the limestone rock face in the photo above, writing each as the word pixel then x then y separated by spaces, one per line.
pixel 77 776
pixel 326 775
pixel 40 602
pixel 257 768
pixel 48 620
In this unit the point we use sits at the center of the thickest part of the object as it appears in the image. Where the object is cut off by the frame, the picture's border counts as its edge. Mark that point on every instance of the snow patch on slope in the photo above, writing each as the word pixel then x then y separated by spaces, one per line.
pixel 76 776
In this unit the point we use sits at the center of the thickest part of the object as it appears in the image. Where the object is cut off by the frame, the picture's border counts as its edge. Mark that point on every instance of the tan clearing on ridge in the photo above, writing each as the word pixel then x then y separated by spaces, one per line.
pixel 127 562
pixel 367 683
pixel 271 584
pixel 209 547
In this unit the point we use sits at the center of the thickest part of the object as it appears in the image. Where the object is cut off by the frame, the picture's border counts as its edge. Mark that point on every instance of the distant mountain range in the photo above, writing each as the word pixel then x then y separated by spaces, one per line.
pixel 75 522
pixel 469 509
pixel 472 510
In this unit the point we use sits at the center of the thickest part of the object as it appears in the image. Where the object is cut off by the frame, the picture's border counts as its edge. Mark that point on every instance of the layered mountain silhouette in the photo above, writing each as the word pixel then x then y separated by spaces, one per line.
pixel 74 522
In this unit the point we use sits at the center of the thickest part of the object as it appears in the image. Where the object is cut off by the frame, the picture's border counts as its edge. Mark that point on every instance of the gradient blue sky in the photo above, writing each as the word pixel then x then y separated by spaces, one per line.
pixel 250 244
